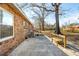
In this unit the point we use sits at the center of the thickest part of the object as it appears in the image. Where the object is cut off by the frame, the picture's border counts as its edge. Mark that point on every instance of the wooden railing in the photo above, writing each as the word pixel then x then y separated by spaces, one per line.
pixel 59 38
pixel 55 37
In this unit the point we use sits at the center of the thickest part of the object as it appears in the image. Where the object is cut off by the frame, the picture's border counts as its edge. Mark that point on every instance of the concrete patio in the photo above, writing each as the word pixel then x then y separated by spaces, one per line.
pixel 37 46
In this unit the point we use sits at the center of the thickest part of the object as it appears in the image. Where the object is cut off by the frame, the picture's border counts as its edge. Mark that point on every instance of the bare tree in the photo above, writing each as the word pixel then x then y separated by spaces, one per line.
pixel 41 13
pixel 55 8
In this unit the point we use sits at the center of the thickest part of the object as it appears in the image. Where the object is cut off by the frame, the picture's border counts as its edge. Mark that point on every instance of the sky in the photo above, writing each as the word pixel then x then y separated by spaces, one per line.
pixel 71 15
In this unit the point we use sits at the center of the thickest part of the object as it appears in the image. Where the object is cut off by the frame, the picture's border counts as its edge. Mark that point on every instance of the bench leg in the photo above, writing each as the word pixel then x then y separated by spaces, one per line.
pixel 65 42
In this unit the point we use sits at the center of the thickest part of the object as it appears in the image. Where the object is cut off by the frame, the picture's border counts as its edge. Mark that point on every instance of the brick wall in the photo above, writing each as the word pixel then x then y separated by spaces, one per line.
pixel 19 32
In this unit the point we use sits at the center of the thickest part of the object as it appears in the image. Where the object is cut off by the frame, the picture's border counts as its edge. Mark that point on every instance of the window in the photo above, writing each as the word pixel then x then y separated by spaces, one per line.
pixel 6 24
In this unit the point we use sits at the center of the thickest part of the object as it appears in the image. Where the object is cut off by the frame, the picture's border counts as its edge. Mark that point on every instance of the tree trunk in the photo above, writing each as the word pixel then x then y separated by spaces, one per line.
pixel 42 25
pixel 43 19
pixel 57 19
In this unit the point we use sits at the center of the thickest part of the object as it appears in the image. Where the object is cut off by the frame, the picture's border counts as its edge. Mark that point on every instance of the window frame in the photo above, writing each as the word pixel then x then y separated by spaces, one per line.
pixel 12 36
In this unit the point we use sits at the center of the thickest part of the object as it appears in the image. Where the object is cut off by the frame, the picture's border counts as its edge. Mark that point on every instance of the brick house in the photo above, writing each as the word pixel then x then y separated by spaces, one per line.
pixel 76 27
pixel 20 26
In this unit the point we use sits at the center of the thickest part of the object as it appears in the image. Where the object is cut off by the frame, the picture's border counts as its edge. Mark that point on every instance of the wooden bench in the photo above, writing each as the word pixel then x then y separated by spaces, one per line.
pixel 59 39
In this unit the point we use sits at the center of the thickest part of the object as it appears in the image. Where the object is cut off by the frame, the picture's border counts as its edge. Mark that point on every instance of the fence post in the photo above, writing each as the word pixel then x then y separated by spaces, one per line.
pixel 65 41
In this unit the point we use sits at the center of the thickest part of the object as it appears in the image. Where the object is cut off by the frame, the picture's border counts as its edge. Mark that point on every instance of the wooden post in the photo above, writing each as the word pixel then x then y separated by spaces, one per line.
pixel 65 42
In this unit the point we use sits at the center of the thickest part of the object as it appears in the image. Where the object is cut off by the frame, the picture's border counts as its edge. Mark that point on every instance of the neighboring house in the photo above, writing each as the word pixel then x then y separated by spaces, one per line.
pixel 20 26
pixel 72 28
pixel 76 27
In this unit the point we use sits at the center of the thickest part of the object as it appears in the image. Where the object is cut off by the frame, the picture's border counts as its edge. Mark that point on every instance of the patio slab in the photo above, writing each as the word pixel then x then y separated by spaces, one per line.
pixel 37 46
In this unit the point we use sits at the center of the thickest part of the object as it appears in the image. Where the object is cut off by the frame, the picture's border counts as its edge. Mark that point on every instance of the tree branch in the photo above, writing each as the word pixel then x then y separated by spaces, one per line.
pixel 44 8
